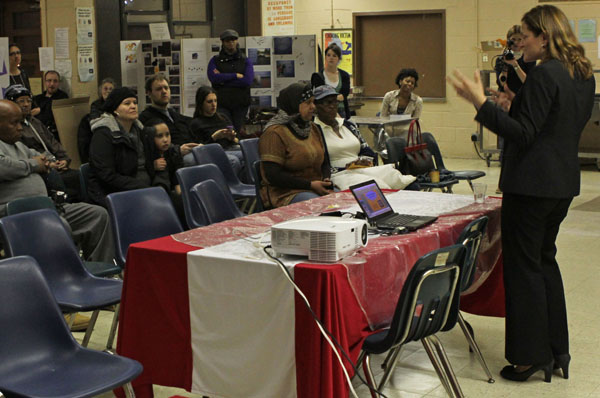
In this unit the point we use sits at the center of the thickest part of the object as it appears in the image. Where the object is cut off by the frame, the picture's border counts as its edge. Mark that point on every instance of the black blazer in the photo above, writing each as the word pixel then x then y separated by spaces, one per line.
pixel 317 79
pixel 542 131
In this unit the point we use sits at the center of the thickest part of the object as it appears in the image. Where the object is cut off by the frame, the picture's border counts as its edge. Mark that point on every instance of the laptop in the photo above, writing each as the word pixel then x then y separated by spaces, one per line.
pixel 379 212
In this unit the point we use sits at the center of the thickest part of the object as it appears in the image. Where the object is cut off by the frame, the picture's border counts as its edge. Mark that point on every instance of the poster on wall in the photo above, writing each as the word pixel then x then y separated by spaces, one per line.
pixel 587 30
pixel 195 62
pixel 278 17
pixel 4 66
pixel 86 63
pixel 343 38
pixel 130 63
pixel 259 50
pixel 294 58
pixel 162 56
pixel 61 42
pixel 85 25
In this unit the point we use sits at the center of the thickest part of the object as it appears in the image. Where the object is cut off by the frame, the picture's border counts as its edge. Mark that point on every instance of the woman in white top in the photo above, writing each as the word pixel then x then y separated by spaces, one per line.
pixel 403 101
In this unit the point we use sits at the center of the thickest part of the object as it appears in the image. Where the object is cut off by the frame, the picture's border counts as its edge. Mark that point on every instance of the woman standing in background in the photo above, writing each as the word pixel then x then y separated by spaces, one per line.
pixel 334 77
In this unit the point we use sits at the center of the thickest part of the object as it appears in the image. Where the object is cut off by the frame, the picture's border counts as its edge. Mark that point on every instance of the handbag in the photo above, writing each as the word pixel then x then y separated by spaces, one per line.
pixel 418 159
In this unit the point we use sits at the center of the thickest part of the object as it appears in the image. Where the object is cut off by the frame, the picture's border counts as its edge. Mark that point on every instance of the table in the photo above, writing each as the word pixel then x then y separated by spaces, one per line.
pixel 377 126
pixel 156 315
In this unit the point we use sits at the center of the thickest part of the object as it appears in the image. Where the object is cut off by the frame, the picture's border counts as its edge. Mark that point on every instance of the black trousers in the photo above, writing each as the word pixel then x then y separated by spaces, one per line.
pixel 536 314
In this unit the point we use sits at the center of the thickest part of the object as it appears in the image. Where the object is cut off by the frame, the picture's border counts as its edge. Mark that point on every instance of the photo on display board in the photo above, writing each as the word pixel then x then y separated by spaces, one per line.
pixel 215 48
pixel 262 79
pixel 282 45
pixel 146 47
pixel 260 101
pixel 176 46
pixel 165 49
pixel 285 68
pixel 147 59
pixel 175 58
pixel 173 70
pixel 154 52
pixel 260 56
pixel 175 90
pixel 173 80
pixel 161 65
pixel 175 100
pixel 149 70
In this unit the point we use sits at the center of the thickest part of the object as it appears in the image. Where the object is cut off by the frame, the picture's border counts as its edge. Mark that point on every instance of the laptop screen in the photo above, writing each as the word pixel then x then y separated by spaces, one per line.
pixel 371 200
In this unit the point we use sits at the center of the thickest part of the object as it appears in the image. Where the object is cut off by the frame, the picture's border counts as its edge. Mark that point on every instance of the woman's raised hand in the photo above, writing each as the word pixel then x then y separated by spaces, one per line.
pixel 471 90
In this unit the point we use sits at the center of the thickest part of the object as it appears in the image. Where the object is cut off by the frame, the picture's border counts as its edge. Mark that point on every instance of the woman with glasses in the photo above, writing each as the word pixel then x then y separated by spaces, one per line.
pixel 17 74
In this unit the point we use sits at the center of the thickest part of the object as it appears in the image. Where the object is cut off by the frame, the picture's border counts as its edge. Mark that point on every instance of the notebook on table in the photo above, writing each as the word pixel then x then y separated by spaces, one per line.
pixel 379 212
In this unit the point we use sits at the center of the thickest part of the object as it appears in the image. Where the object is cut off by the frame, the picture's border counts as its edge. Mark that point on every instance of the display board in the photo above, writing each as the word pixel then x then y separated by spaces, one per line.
pixel 278 62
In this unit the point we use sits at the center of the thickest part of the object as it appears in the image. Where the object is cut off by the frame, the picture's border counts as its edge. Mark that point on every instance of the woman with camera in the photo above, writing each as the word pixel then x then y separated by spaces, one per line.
pixel 540 177
pixel 510 70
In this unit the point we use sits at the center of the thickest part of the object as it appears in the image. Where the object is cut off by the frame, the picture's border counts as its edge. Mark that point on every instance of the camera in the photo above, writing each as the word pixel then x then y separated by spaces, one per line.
pixel 502 66
pixel 59 198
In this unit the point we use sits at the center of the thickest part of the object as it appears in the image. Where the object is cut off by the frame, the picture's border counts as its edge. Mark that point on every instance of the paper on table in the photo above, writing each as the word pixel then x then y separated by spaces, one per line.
pixel 46 58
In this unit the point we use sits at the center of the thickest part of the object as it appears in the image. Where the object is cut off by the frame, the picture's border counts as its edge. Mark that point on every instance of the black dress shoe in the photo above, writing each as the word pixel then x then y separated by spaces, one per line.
pixel 562 361
pixel 510 372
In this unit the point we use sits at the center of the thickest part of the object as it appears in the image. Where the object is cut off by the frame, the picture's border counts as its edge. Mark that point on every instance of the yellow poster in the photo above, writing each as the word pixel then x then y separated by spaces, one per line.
pixel 343 38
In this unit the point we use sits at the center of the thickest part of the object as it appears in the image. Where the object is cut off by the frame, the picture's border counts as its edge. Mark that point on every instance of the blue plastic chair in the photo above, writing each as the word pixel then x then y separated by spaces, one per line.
pixel 96 268
pixel 50 244
pixel 38 355
pixel 218 204
pixel 423 309
pixel 84 178
pixel 250 151
pixel 214 153
pixel 260 206
pixel 139 215
pixel 190 176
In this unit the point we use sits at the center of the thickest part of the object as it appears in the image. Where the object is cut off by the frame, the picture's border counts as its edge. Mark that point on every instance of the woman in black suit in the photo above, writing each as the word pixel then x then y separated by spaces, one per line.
pixel 335 77
pixel 540 177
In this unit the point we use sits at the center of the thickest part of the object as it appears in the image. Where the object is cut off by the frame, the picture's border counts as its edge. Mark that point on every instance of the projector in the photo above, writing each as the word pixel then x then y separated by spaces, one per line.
pixel 323 238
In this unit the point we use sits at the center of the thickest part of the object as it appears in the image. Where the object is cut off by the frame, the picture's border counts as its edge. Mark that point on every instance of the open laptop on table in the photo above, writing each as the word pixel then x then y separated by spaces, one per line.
pixel 379 212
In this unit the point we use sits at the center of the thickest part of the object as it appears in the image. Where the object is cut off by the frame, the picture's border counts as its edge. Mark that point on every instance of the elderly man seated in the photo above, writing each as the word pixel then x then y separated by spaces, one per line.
pixel 37 136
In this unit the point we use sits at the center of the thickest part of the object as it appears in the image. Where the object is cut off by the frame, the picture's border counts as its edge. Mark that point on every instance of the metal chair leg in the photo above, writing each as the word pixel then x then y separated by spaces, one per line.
pixel 389 355
pixel 366 362
pixel 475 347
pixel 129 393
pixel 90 329
pixel 113 328
pixel 389 369
pixel 435 361
pixel 446 364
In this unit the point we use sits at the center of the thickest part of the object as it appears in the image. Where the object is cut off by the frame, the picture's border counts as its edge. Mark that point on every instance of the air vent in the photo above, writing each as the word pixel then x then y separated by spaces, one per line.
pixel 326 256
pixel 322 241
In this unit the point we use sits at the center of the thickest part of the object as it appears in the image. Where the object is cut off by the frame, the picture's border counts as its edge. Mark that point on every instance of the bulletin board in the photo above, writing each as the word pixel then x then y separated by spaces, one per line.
pixel 386 42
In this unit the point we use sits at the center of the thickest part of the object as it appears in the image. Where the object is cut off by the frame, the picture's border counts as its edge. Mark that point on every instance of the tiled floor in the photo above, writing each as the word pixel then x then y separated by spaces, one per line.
pixel 578 250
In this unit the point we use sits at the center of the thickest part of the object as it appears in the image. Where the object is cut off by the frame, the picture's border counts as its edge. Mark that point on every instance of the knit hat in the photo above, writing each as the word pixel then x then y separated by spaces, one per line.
pixel 117 96
pixel 15 91
pixel 292 96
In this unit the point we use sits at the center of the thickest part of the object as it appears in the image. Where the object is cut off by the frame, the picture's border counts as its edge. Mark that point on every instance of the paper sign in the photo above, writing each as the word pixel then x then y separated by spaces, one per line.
pixel 61 42
pixel 46 58
pixel 160 31
pixel 278 17
pixel 64 67
pixel 85 64
pixel 85 25
pixel 4 66
pixel 587 30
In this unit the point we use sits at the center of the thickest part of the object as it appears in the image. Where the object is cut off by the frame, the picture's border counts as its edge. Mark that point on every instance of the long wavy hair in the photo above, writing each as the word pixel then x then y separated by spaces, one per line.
pixel 201 95
pixel 562 43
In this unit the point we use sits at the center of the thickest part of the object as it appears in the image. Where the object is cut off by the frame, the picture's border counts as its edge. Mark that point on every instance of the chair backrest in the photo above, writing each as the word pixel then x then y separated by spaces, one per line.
pixel 32 325
pixel 214 153
pixel 190 176
pixel 260 206
pixel 42 235
pixel 84 178
pixel 140 215
pixel 427 296
pixel 28 204
pixel 471 238
pixel 217 203
pixel 250 150
pixel 395 149
pixel 433 147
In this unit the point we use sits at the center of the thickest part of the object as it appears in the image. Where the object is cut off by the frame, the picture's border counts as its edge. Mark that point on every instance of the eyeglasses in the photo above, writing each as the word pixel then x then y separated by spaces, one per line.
pixel 14 53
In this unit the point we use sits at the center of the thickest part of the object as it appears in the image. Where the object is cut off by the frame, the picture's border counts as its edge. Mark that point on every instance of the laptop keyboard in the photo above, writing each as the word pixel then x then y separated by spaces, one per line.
pixel 397 220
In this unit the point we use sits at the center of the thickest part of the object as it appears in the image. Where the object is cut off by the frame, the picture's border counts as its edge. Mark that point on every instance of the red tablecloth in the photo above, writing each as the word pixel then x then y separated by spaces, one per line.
pixel 155 326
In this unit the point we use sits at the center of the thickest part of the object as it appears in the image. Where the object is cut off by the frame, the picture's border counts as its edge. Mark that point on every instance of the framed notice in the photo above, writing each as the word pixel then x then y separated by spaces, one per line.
pixel 343 38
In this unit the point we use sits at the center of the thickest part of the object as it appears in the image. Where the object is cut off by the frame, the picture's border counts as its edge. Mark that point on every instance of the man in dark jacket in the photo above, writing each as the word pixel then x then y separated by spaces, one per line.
pixel 157 88
pixel 36 136
pixel 231 75
pixel 44 100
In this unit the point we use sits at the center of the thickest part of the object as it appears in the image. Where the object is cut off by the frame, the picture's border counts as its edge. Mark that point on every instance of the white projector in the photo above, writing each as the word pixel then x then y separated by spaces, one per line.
pixel 321 238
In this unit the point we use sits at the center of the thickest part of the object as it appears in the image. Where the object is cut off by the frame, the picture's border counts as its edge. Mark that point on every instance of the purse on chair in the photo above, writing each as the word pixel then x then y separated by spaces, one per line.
pixel 418 159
